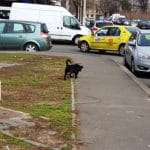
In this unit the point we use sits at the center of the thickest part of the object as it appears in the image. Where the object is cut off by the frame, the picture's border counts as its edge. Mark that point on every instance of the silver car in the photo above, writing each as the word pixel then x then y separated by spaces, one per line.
pixel 137 52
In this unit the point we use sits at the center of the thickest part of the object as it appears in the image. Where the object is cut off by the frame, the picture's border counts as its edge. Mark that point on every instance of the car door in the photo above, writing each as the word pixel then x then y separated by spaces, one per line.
pixel 13 36
pixel 2 27
pixel 112 40
pixel 98 40
pixel 107 38
pixel 70 28
pixel 130 48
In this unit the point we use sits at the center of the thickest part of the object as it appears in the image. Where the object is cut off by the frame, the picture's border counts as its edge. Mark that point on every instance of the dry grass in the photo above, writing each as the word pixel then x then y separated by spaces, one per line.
pixel 35 85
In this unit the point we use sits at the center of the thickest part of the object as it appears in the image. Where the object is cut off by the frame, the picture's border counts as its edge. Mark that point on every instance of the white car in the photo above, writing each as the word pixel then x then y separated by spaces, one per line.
pixel 137 52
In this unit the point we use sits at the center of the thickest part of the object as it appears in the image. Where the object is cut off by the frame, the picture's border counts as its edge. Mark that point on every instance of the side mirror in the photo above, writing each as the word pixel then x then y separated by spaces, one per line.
pixel 77 26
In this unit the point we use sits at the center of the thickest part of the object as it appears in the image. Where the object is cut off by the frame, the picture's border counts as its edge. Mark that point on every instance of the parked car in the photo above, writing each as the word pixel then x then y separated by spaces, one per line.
pixel 108 38
pixel 137 52
pixel 144 24
pixel 24 35
pixel 63 25
pixel 96 25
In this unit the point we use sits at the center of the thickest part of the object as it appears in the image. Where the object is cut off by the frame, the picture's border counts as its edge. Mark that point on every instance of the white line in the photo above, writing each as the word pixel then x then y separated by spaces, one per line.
pixel 73 112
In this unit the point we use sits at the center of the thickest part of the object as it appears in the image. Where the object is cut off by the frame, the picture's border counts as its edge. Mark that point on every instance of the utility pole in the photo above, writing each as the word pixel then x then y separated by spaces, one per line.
pixel 84 11
pixel 67 4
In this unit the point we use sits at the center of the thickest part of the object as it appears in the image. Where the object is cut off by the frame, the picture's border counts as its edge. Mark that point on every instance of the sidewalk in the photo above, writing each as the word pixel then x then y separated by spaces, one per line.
pixel 114 110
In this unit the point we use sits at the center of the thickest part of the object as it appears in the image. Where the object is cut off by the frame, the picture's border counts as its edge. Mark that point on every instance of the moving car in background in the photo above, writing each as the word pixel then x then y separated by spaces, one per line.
pixel 108 38
pixel 24 35
pixel 96 25
pixel 137 52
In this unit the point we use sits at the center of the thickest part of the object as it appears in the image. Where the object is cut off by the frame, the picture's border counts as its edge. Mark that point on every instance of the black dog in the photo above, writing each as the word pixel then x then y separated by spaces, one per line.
pixel 72 69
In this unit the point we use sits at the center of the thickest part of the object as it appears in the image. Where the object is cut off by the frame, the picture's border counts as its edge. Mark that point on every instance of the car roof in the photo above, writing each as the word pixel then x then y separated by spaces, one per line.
pixel 21 21
pixel 120 26
pixel 103 21
pixel 144 31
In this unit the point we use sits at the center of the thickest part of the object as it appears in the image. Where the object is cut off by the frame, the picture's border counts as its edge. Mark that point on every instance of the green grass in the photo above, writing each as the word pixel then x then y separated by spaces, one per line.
pixel 7 141
pixel 35 85
pixel 59 115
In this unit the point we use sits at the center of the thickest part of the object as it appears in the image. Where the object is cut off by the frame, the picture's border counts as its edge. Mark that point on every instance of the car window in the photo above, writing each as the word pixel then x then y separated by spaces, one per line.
pixel 144 39
pixel 70 22
pixel 113 31
pixel 18 28
pixel 2 25
pixel 102 32
pixel 15 28
pixel 29 28
pixel 44 28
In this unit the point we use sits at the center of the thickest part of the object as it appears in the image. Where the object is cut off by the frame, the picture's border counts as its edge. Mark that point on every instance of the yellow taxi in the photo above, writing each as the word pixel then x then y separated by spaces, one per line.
pixel 108 38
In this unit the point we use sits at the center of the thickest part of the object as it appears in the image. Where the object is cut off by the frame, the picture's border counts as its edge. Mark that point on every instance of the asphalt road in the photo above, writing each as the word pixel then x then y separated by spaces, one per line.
pixel 68 48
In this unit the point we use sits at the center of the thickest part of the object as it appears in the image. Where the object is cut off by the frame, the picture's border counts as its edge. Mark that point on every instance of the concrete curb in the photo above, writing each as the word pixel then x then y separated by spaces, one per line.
pixel 73 113
pixel 133 77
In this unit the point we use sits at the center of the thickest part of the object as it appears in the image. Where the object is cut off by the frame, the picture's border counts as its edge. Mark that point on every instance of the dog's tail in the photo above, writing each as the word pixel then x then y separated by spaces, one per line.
pixel 68 61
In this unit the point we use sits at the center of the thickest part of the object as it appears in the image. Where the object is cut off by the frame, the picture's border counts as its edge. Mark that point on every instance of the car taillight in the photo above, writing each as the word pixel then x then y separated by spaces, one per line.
pixel 94 29
pixel 44 35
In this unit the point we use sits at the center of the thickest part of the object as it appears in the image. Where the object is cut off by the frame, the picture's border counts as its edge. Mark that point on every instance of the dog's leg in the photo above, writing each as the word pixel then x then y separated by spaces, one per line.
pixel 65 74
pixel 76 75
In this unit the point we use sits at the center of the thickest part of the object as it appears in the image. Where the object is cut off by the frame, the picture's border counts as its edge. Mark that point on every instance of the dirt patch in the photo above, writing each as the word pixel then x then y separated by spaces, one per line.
pixel 40 133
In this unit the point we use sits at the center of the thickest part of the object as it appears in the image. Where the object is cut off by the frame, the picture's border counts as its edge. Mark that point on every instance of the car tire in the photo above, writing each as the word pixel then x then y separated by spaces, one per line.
pixel 121 49
pixel 31 47
pixel 84 47
pixel 125 61
pixel 133 67
pixel 76 40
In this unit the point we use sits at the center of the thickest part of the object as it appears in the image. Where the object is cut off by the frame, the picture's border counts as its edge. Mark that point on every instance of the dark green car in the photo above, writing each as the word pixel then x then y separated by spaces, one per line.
pixel 24 35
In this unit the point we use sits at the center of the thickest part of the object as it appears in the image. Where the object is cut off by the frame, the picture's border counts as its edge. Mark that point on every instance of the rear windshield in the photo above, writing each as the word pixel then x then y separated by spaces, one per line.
pixel 102 24
pixel 44 28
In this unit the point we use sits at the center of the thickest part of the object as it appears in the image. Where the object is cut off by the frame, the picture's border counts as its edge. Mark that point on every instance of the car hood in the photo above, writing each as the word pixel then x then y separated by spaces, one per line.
pixel 144 50
pixel 86 30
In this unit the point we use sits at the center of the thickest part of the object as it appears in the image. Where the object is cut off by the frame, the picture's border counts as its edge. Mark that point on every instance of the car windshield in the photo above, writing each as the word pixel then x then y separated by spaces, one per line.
pixel 144 39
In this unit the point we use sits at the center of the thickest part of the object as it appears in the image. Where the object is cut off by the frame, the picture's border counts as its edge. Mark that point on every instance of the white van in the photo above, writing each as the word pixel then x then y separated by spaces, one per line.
pixel 61 24
pixel 4 12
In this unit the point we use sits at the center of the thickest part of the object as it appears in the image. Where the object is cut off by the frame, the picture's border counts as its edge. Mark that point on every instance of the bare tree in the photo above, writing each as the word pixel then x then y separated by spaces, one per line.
pixel 144 5
pixel 109 7
pixel 125 5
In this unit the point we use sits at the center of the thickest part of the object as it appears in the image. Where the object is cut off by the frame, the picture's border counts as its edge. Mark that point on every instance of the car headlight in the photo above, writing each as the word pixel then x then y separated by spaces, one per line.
pixel 143 56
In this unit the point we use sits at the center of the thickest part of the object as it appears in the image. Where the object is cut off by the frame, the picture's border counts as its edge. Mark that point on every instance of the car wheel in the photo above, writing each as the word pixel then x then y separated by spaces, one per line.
pixel 76 40
pixel 31 47
pixel 121 50
pixel 84 47
pixel 124 60
pixel 133 67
